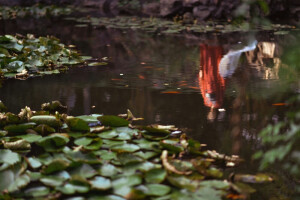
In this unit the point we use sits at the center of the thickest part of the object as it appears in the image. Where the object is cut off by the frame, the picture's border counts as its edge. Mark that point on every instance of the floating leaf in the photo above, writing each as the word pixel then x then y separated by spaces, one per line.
pixel 74 186
pixel 155 176
pixel 125 148
pixel 52 181
pixel 30 137
pixel 17 145
pixel 84 170
pixel 155 189
pixel 44 129
pixel 106 155
pixel 108 170
pixel 77 124
pixel 155 134
pixel 46 119
pixel 19 183
pixel 97 63
pixel 53 143
pixel 19 128
pixel 9 157
pixel 55 166
pixel 183 182
pixel 34 163
pixel 113 121
pixel 37 191
pixel 83 141
pixel 172 145
pixel 100 183
pixel 89 118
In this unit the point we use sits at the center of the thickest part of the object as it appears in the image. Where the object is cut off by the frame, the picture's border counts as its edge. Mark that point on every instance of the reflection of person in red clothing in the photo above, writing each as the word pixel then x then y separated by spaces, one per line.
pixel 214 69
pixel 211 83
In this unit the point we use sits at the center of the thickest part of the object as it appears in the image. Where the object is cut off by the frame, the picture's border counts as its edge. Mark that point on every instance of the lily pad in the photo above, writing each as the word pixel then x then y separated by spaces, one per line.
pixel 155 176
pixel 9 157
pixel 77 124
pixel 46 119
pixel 19 128
pixel 53 143
pixel 37 191
pixel 113 121
pixel 125 148
pixel 100 183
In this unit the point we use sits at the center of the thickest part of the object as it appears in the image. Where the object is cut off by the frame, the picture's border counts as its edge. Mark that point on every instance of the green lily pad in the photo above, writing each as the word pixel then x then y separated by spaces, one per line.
pixel 84 141
pixel 19 183
pixel 172 145
pixel 155 133
pixel 55 166
pixel 77 124
pixel 108 170
pixel 100 183
pixel 125 148
pixel 9 157
pixel 53 143
pixel 74 186
pixel 84 170
pixel 34 162
pixel 37 191
pixel 106 155
pixel 52 181
pixel 19 128
pixel 183 182
pixel 155 189
pixel 44 129
pixel 89 118
pixel 30 137
pixel 46 119
pixel 155 175
pixel 97 63
pixel 113 121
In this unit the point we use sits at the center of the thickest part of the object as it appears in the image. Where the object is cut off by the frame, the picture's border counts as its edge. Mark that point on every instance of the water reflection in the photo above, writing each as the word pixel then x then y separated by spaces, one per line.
pixel 162 81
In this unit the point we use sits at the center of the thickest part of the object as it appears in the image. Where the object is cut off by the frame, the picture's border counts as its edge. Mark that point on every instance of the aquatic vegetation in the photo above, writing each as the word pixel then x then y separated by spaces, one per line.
pixel 47 154
pixel 36 11
pixel 25 56
pixel 163 26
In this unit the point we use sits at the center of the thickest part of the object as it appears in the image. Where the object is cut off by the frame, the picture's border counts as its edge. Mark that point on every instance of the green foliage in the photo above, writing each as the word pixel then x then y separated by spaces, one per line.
pixel 25 56
pixel 281 142
pixel 114 163
pixel 36 11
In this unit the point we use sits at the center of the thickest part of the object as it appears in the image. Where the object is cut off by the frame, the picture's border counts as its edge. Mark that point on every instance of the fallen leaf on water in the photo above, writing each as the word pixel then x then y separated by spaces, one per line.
pixel 171 92
pixel 142 77
pixel 279 104
pixel 236 196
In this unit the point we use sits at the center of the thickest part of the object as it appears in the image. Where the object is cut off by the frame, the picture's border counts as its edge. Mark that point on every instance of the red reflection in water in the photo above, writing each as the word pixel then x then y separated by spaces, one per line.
pixel 211 83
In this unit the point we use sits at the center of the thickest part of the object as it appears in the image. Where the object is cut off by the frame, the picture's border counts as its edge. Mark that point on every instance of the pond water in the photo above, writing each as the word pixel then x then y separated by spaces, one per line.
pixel 221 89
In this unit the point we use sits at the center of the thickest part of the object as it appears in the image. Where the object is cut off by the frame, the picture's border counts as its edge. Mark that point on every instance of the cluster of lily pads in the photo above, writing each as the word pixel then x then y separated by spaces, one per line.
pixel 36 11
pixel 157 25
pixel 24 56
pixel 49 155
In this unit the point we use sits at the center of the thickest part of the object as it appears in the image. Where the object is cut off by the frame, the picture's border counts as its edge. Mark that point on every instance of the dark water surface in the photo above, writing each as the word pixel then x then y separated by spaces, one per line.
pixel 222 89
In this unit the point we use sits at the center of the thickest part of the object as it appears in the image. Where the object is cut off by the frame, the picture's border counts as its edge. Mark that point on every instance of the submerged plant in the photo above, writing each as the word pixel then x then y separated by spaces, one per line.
pixel 24 56
pixel 54 156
